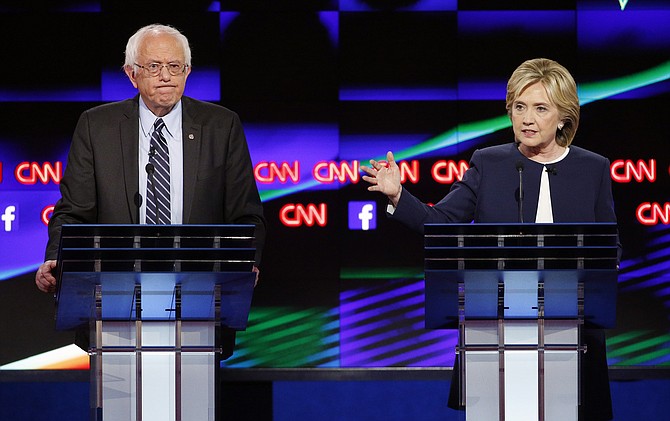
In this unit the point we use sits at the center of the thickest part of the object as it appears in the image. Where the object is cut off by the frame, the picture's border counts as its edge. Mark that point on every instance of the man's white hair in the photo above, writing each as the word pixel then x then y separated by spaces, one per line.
pixel 153 30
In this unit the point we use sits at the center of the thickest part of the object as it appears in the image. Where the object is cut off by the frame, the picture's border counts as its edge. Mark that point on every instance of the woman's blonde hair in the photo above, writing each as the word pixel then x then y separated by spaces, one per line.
pixel 561 89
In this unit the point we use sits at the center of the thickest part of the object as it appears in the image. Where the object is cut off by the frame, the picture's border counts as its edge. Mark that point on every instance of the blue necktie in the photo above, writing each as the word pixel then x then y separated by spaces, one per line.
pixel 158 181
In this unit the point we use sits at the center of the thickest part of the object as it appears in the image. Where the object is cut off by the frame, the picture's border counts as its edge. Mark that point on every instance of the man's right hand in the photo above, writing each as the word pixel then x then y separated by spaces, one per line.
pixel 384 177
pixel 44 278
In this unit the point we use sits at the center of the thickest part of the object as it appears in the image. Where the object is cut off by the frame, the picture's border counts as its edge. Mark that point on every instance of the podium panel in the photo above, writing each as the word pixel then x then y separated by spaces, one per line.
pixel 519 295
pixel 159 372
pixel 154 298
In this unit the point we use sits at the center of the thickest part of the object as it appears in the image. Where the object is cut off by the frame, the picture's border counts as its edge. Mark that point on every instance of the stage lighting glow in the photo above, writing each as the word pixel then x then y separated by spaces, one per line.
pixel 69 357
pixel 288 337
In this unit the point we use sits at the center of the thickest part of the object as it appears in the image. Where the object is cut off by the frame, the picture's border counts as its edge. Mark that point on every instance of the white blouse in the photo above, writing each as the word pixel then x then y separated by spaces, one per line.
pixel 544 210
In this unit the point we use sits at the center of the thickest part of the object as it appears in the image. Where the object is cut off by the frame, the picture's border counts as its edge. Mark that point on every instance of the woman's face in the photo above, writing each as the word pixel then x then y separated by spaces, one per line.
pixel 535 119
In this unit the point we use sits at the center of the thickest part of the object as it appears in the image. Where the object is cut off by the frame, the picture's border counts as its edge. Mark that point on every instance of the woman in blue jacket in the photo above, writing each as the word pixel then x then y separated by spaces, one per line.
pixel 561 183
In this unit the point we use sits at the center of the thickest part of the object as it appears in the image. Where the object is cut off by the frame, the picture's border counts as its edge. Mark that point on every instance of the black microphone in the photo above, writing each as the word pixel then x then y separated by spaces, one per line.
pixel 150 169
pixel 138 199
pixel 519 168
pixel 551 170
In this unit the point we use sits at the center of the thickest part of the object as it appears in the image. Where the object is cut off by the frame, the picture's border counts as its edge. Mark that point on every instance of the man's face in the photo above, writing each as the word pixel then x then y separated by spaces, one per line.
pixel 161 92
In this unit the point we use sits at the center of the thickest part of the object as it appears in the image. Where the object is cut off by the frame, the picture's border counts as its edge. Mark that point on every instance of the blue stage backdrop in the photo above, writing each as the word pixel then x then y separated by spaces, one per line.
pixel 322 87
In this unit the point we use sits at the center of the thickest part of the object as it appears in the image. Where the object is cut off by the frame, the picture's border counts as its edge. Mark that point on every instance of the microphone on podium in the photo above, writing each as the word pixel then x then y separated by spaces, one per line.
pixel 519 168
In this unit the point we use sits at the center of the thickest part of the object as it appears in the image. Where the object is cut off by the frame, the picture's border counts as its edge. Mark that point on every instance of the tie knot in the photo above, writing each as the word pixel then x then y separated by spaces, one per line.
pixel 158 125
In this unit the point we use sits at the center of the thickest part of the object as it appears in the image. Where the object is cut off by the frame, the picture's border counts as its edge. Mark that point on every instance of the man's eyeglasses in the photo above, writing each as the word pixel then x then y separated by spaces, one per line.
pixel 154 69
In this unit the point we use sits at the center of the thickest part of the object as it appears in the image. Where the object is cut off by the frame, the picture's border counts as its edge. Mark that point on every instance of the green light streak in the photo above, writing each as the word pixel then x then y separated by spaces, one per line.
pixel 600 90
pixel 461 133
pixel 267 195
pixel 288 337
pixel 642 359
pixel 284 318
pixel 639 346
pixel 626 336
pixel 588 93
pixel 382 273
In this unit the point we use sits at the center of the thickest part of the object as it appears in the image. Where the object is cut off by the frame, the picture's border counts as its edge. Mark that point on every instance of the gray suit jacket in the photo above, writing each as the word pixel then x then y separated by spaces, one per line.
pixel 100 183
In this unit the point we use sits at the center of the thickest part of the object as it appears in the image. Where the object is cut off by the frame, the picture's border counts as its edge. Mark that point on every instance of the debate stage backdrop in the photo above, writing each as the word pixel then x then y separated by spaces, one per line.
pixel 322 87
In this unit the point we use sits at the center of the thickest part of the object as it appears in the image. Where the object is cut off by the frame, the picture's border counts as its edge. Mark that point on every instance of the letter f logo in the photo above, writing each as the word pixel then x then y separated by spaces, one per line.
pixel 8 217
pixel 362 216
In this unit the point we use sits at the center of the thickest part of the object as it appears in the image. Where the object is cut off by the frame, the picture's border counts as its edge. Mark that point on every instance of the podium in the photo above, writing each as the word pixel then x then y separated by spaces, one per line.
pixel 154 299
pixel 519 295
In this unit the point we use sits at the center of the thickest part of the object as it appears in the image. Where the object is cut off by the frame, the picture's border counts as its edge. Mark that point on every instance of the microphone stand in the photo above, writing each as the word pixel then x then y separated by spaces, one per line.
pixel 519 168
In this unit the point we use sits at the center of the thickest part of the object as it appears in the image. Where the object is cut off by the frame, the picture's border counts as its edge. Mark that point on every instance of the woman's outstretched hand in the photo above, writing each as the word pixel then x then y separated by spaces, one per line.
pixel 384 177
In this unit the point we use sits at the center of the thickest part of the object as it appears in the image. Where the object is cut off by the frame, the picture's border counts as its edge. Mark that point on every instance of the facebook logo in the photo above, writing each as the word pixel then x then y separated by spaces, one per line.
pixel 362 215
pixel 8 217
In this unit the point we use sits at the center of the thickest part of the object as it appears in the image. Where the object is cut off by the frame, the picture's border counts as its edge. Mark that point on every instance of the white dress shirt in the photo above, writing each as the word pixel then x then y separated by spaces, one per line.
pixel 173 136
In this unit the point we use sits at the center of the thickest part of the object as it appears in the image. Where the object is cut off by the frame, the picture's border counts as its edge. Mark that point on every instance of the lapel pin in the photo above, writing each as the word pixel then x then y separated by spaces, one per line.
pixel 190 136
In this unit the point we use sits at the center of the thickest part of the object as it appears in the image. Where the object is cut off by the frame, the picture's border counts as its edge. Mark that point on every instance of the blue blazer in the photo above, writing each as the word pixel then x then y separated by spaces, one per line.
pixel 581 190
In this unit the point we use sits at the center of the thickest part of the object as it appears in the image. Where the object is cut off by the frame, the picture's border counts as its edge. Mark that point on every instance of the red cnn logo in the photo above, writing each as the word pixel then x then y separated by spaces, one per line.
pixel 625 170
pixel 327 172
pixel 409 171
pixel 269 172
pixel 651 213
pixel 30 173
pixel 46 213
pixel 295 215
pixel 446 172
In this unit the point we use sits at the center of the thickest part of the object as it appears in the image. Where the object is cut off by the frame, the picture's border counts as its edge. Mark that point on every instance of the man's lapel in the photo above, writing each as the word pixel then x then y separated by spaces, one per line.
pixel 129 134
pixel 192 141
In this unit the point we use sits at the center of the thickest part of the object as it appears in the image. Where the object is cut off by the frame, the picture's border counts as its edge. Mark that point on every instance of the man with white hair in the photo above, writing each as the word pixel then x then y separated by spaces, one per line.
pixel 207 173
